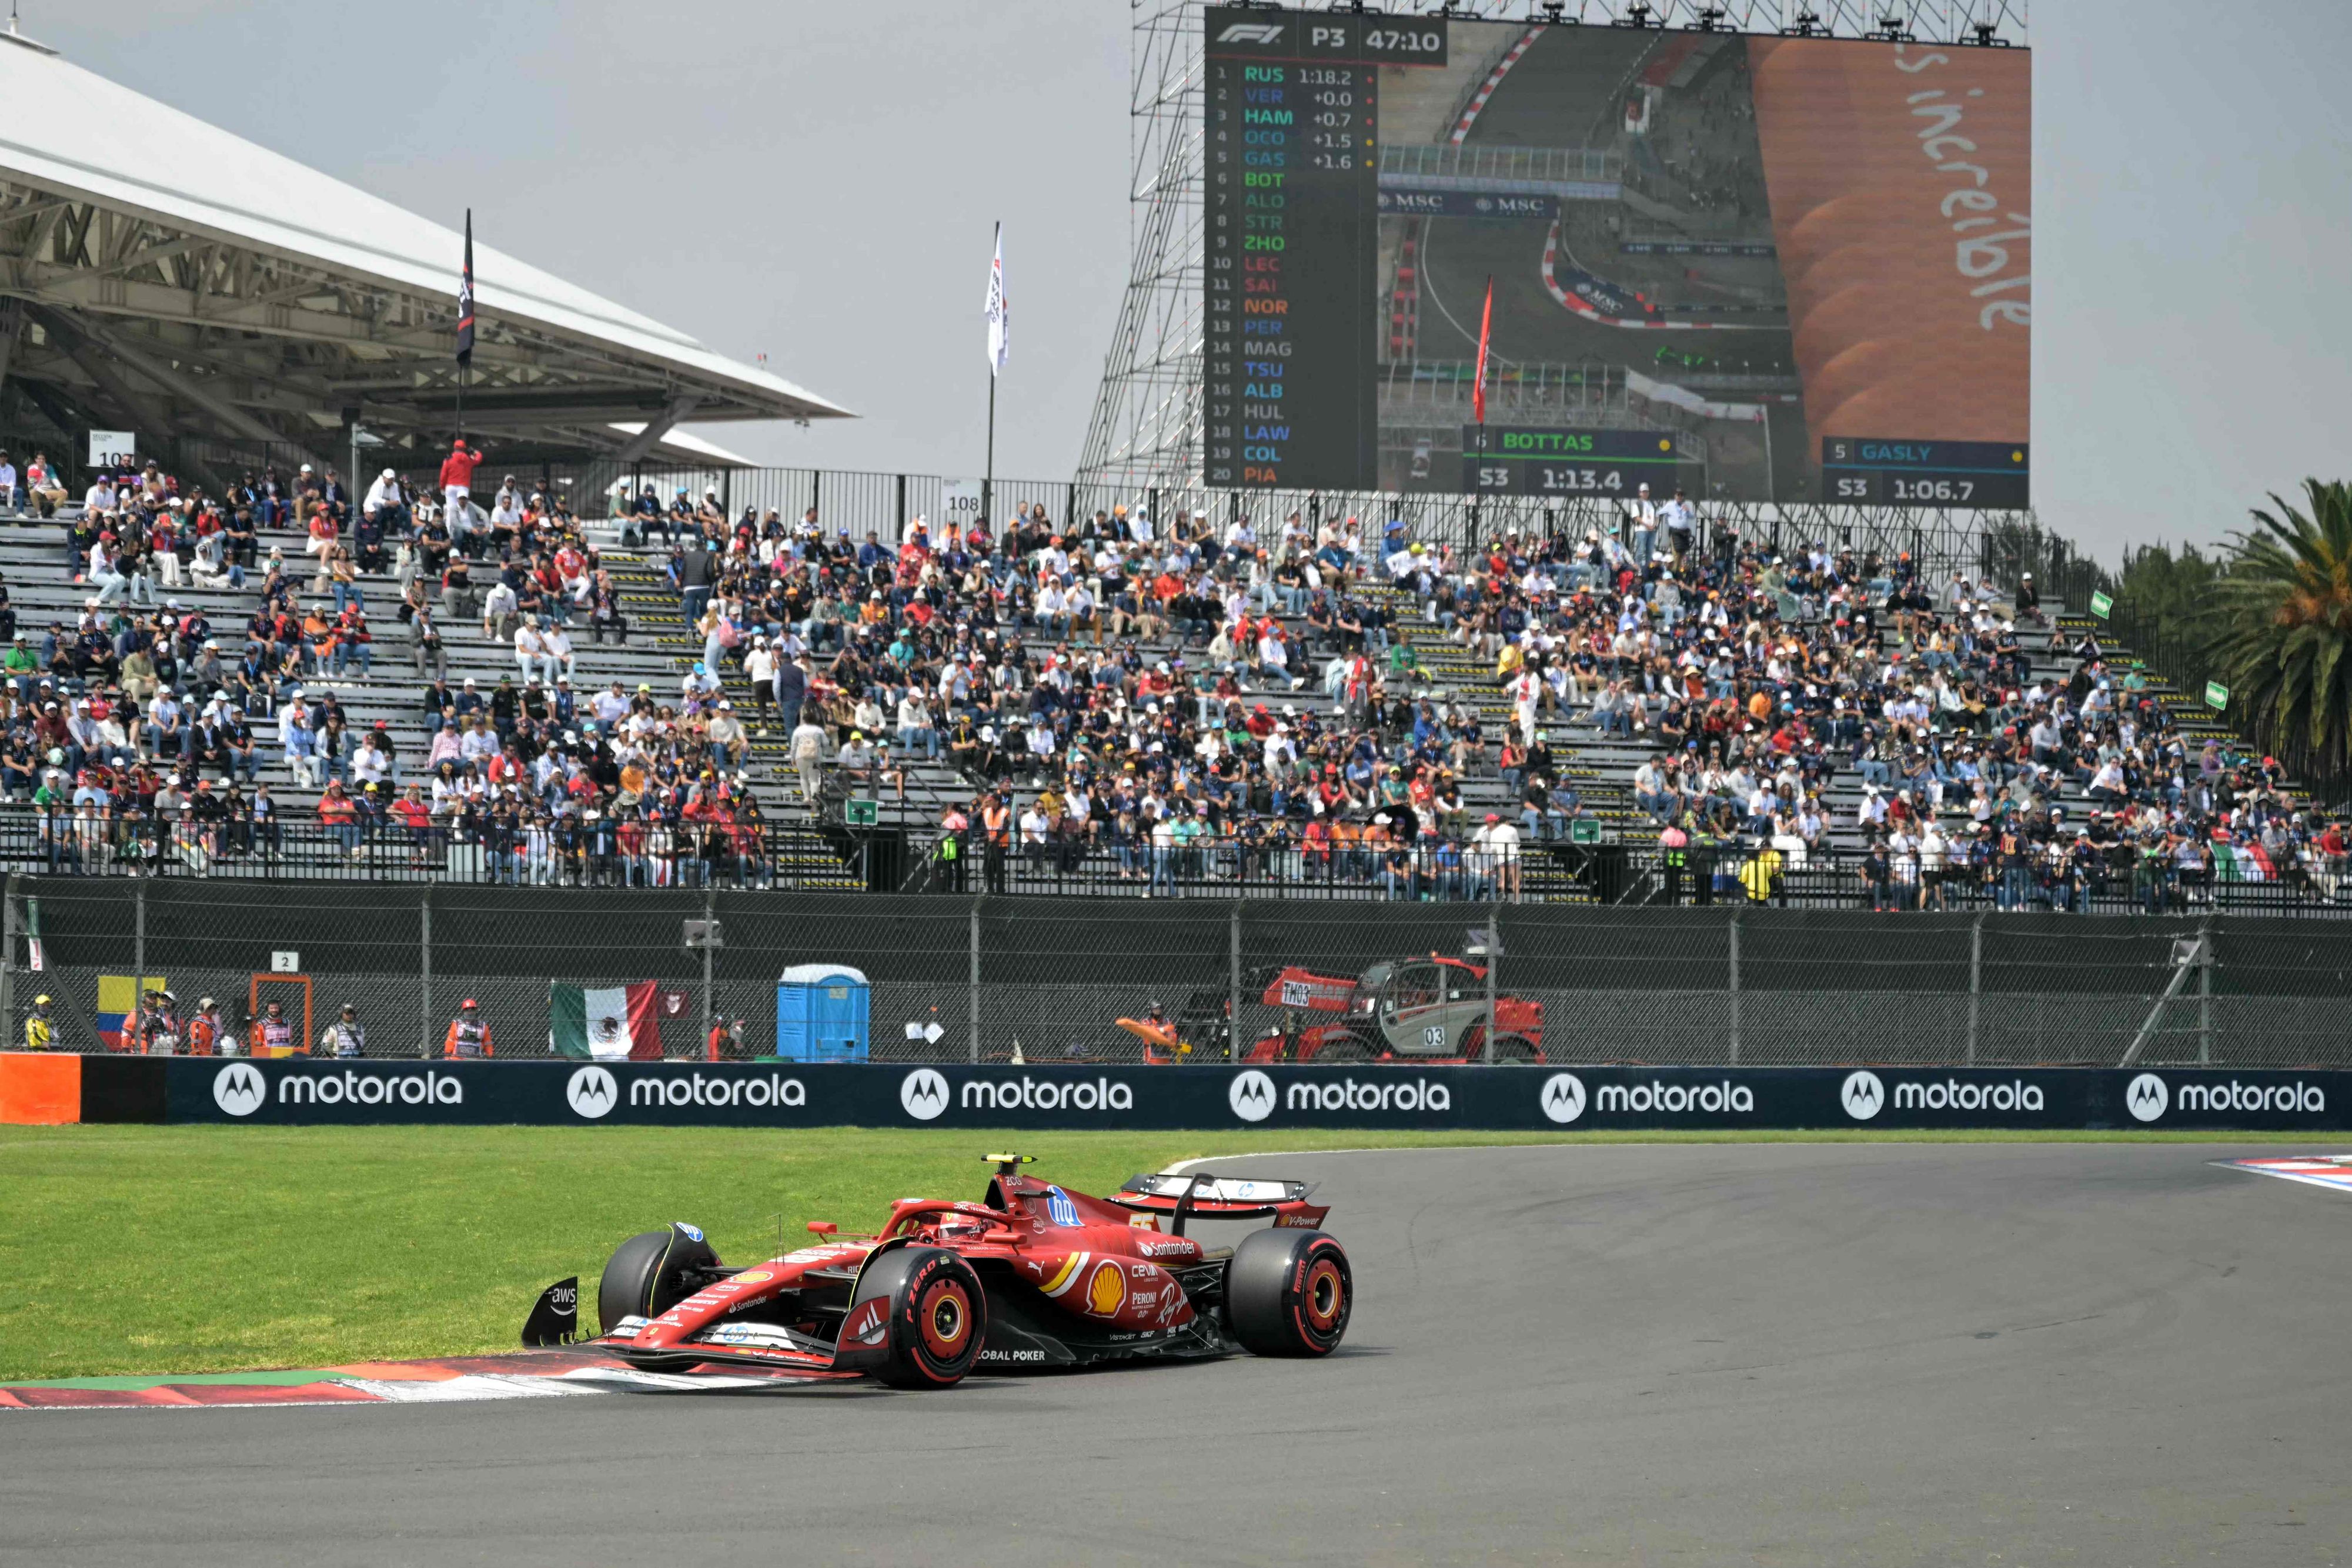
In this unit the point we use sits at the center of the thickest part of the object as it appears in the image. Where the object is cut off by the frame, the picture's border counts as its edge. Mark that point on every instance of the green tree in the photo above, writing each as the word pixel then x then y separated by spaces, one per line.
pixel 2279 620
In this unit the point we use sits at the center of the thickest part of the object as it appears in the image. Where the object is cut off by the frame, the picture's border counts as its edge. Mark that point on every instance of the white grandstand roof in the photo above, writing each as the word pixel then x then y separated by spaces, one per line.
pixel 72 136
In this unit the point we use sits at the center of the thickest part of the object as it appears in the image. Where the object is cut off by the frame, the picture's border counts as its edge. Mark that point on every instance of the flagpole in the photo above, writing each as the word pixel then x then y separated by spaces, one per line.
pixel 988 472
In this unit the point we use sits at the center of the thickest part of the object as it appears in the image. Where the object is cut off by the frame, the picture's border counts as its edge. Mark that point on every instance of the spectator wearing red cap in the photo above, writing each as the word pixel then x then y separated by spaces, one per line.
pixel 469 1034
pixel 457 476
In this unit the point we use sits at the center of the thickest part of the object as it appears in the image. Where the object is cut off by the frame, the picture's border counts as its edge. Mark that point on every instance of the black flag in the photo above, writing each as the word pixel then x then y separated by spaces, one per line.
pixel 466 298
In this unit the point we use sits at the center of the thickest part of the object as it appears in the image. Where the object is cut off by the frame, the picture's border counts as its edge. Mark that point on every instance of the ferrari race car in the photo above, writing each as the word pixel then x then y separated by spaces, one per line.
pixel 1031 1276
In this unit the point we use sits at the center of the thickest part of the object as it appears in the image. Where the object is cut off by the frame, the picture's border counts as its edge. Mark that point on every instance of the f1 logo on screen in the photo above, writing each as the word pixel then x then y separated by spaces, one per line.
pixel 1252 33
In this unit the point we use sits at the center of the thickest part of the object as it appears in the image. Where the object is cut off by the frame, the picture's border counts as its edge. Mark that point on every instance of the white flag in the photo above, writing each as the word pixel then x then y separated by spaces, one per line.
pixel 999 333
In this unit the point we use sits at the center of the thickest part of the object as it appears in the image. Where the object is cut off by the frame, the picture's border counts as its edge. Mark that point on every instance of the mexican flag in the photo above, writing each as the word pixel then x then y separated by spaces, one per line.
pixel 604 1023
pixel 2242 863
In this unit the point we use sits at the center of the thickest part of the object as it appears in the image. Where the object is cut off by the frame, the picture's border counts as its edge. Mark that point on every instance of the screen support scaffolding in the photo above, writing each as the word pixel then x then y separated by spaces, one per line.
pixel 1144 443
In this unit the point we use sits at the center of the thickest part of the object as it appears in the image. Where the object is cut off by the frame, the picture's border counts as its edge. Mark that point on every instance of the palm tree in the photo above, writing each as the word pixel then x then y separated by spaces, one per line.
pixel 2279 621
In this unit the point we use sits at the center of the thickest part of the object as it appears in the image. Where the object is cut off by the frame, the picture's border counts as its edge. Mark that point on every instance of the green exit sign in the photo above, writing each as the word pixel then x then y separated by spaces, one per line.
pixel 861 813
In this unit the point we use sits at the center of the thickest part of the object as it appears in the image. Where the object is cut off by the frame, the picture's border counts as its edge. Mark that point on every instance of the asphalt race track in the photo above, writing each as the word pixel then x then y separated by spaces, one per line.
pixel 1760 1353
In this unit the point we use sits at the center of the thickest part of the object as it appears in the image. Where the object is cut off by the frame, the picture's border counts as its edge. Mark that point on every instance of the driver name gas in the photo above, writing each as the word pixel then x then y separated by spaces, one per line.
pixel 351 1087
pixel 697 1089
pixel 1046 1094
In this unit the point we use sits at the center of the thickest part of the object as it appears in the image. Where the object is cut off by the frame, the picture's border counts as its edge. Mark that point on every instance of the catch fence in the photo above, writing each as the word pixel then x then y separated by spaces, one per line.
pixel 992 979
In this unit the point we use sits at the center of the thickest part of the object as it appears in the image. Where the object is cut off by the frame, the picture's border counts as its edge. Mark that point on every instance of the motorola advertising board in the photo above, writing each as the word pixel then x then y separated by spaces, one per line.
pixel 953 1095
pixel 1806 260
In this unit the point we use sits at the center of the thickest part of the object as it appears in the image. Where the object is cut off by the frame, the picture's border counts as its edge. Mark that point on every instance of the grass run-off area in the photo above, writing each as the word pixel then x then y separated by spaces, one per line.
pixel 185 1250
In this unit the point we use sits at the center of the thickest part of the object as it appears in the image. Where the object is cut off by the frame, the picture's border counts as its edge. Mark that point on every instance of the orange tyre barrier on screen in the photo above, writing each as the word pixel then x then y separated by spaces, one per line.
pixel 1901 182
pixel 39 1091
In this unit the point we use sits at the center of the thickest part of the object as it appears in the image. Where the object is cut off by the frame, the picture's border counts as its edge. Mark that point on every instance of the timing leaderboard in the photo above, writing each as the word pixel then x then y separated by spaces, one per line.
pixel 1990 474
pixel 1292 214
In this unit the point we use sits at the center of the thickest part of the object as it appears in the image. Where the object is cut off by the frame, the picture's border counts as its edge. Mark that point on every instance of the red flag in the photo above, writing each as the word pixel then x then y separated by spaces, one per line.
pixel 1485 330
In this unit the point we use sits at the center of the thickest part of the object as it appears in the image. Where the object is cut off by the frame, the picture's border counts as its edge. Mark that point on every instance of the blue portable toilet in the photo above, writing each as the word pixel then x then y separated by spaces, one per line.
pixel 822 1013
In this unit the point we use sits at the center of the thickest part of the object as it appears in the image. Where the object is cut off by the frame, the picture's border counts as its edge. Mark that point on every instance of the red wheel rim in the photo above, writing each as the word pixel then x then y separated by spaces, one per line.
pixel 1326 1296
pixel 944 1319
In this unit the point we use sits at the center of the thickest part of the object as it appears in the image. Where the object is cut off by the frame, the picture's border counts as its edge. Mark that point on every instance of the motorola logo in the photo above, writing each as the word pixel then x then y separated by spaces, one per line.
pixel 591 1093
pixel 1250 1094
pixel 1252 33
pixel 1562 1098
pixel 239 1089
pixel 923 1093
pixel 1863 1096
pixel 2147 1098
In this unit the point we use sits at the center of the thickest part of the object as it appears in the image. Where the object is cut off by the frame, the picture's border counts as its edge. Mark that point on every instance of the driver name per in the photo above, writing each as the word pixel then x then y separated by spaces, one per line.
pixel 1289 280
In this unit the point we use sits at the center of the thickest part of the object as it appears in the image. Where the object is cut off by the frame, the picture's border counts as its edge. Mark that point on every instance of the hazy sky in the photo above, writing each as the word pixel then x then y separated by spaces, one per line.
pixel 818 183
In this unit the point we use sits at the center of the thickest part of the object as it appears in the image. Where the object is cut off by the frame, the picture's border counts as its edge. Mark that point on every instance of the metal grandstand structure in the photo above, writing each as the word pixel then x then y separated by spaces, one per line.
pixel 1143 444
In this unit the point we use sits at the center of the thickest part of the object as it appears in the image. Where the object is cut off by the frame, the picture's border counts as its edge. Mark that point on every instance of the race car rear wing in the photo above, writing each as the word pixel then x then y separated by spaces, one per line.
pixel 1182 1195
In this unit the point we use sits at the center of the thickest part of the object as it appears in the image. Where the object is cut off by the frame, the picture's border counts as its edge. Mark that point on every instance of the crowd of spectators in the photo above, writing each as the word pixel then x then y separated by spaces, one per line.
pixel 141 730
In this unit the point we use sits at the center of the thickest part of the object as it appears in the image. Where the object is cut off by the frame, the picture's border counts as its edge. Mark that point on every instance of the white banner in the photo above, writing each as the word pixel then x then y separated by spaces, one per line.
pixel 108 447
pixel 1000 341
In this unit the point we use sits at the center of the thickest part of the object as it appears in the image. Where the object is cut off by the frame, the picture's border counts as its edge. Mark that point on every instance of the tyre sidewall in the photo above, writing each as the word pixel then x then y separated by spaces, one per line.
pixel 1273 1285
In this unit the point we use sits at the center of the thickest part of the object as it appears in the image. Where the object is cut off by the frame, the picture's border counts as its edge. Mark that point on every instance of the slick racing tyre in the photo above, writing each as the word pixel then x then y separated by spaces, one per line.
pixel 647 1274
pixel 1289 1292
pixel 938 1316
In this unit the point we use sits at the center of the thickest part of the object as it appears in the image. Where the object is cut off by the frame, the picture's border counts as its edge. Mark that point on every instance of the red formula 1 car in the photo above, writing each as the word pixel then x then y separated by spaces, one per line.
pixel 1031 1276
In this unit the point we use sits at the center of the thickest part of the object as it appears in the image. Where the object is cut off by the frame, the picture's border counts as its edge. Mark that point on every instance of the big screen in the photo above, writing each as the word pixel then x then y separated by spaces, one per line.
pixel 1750 268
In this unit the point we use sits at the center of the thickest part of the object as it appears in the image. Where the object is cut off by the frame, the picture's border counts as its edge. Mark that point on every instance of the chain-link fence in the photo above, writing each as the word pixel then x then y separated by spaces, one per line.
pixel 1049 978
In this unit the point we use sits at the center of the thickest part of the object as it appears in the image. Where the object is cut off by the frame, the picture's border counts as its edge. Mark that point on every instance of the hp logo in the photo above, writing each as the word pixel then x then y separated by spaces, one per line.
pixel 591 1093
pixel 1250 1094
pixel 923 1094
pixel 1863 1095
pixel 1562 1097
pixel 239 1089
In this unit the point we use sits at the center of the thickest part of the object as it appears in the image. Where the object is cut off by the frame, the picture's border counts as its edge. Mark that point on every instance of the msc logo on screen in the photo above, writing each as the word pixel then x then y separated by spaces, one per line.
pixel 923 1094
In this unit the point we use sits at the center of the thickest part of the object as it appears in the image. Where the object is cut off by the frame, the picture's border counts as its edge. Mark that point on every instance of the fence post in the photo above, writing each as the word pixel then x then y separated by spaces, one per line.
pixel 709 914
pixel 972 1006
pixel 8 963
pixel 138 941
pixel 1494 948
pixel 424 972
pixel 1975 978
pixel 1734 987
pixel 1233 971
pixel 2205 991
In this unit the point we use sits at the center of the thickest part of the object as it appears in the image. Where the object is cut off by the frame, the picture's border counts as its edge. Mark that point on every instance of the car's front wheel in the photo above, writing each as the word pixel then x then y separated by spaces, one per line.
pixel 938 1316
pixel 650 1274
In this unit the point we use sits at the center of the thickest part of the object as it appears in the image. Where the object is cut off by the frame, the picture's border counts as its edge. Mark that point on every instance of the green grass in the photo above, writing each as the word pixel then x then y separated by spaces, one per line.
pixel 145 1249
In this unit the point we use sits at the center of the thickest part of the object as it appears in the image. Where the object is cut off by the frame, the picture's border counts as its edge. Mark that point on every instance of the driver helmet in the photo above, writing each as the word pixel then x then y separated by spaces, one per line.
pixel 953 1227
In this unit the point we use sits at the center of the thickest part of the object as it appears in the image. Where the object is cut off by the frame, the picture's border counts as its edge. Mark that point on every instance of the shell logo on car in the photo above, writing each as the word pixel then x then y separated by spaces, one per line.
pixel 1108 1293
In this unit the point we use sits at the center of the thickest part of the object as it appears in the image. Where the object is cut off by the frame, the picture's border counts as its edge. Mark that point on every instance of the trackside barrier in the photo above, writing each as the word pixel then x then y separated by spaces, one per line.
pixel 793 1095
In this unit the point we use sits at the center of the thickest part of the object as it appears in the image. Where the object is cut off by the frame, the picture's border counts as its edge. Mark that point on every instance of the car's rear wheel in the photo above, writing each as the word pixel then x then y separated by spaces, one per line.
pixel 649 1274
pixel 938 1316
pixel 1289 1292
pixel 1512 1050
